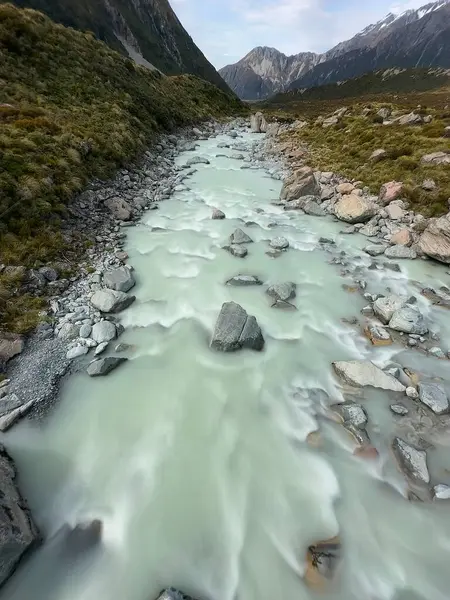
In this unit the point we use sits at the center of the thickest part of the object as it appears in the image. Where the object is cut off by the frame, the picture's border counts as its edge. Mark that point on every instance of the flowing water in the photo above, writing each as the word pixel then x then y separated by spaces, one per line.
pixel 197 461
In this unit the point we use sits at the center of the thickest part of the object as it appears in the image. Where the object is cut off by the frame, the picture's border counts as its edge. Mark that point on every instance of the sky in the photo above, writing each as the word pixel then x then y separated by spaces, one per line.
pixel 226 30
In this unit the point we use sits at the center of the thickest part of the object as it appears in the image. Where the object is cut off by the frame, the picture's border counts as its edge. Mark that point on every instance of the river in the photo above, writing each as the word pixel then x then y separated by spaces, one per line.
pixel 196 461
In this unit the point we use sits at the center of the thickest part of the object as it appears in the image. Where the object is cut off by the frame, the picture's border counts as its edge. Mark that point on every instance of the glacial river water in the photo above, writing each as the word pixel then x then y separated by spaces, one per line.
pixel 197 461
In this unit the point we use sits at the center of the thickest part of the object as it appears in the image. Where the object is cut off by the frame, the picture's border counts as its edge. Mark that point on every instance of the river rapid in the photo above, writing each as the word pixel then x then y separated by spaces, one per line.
pixel 197 462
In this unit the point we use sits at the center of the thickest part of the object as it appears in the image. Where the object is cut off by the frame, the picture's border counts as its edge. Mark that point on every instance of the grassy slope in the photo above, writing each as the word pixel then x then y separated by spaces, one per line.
pixel 64 92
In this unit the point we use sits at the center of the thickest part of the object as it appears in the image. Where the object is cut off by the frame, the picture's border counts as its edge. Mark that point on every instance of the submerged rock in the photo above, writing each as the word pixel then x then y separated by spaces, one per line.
pixel 434 396
pixel 235 329
pixel 83 537
pixel 18 534
pixel 322 560
pixel 103 366
pixel 242 280
pixel 412 461
pixel 173 594
pixel 362 373
pixel 240 237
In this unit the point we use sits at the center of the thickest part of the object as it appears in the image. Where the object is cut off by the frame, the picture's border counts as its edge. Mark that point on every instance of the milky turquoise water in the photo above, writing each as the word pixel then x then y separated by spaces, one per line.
pixel 196 461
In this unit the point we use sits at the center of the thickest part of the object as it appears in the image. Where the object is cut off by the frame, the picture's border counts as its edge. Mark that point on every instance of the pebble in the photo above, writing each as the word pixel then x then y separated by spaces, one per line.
pixel 411 392
pixel 101 348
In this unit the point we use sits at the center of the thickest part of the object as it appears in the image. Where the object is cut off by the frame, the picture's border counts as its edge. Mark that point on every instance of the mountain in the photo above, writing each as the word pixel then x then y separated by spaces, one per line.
pixel 146 30
pixel 265 71
pixel 414 38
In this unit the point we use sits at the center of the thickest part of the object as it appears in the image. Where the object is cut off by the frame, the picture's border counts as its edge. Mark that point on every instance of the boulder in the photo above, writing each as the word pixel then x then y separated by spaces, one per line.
pixel 390 191
pixel 394 212
pixel 76 352
pixel 111 301
pixel 345 188
pixel 243 280
pixel 354 209
pixel 435 240
pixel 353 414
pixel 279 243
pixel 400 252
pixel 436 158
pixel 386 306
pixel 85 330
pixel 18 534
pixel 401 238
pixel 11 344
pixel 378 155
pixel 434 396
pixel 429 185
pixel 235 329
pixel 312 208
pixel 374 249
pixel 197 160
pixel 240 237
pixel 410 119
pixel 281 294
pixel 408 319
pixel 236 250
pixel 258 123
pixel 384 113
pixel 49 273
pixel 301 183
pixel 217 214
pixel 412 461
pixel 103 366
pixel 119 208
pixel 330 121
pixel 69 331
pixel 103 331
pixel 362 373
pixel 120 279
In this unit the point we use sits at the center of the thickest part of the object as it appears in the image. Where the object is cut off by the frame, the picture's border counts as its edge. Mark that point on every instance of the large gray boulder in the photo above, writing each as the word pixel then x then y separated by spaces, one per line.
pixel 120 279
pixel 362 373
pixel 236 250
pixel 400 252
pixel 312 208
pixel 281 294
pixel 103 366
pixel 240 237
pixel 386 306
pixel 412 461
pixel 354 209
pixel 434 396
pixel 235 329
pixel 408 320
pixel 279 243
pixel 18 534
pixel 435 240
pixel 301 183
pixel 119 208
pixel 197 160
pixel 111 301
pixel 103 331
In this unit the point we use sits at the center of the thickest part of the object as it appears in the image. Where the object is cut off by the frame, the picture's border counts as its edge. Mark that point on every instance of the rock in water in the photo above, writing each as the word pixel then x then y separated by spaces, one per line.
pixel 322 560
pixel 103 331
pixel 434 396
pixel 413 462
pixel 173 594
pixel 240 237
pixel 217 214
pixel 408 320
pixel 354 209
pixel 386 306
pixel 282 293
pixel 312 208
pixel 362 373
pixel 279 243
pixel 400 252
pixel 235 329
pixel 110 301
pixel 120 279
pixel 242 280
pixel 81 538
pixel 103 366
pixel 18 534
pixel 236 250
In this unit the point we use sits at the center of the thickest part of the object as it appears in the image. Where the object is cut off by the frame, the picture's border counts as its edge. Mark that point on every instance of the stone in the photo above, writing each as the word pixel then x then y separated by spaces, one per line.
pixel 354 414
pixel 100 348
pixel 386 306
pixel 399 409
pixel 217 214
pixel 390 191
pixel 258 123
pixel 78 540
pixel 103 366
pixel 322 560
pixel 436 158
pixel 76 352
pixel 412 461
pixel 119 208
pixel 384 113
pixel 435 240
pixel 85 331
pixel 401 238
pixel 429 185
pixel 412 393
pixel 441 491
pixel 236 250
pixel 111 301
pixel 312 208
pixel 68 331
pixel 279 243
pixel 361 373
pixel 394 212
pixel 173 594
pixel 375 249
pixel 49 273
pixel 378 155
pixel 330 121
pixel 410 119
pixel 8 403
pixel 243 280
pixel 18 533
pixel 197 160
pixel 301 183
pixel 378 335
pixel 282 292
pixel 11 344
pixel 345 188
pixel 434 396
pixel 122 256
pixel 120 279
pixel 122 347
pixel 403 252
pixel 408 319
pixel 240 237
pixel 354 209
pixel 235 329
pixel 436 352
pixel 103 331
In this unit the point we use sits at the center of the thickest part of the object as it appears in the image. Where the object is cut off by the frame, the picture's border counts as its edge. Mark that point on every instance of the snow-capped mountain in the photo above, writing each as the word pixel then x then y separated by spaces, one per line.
pixel 414 38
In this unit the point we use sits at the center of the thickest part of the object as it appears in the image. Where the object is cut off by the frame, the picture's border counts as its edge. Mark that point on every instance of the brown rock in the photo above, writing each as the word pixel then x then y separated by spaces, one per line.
pixel 345 188
pixel 354 209
pixel 435 240
pixel 379 336
pixel 401 238
pixel 322 560
pixel 314 439
pixel 390 191
pixel 368 452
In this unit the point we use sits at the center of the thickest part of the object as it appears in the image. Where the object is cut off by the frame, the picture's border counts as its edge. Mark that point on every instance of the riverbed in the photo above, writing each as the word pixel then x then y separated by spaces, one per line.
pixel 197 462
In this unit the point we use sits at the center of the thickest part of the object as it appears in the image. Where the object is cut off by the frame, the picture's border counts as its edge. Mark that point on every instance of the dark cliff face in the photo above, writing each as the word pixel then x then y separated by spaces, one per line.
pixel 147 30
pixel 423 42
pixel 245 83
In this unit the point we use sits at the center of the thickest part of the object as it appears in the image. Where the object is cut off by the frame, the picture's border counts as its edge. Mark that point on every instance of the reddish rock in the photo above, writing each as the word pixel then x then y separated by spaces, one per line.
pixel 390 191
pixel 402 238
pixel 368 452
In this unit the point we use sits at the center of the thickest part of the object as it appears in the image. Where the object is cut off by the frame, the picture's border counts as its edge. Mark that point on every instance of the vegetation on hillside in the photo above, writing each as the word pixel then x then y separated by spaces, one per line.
pixel 71 109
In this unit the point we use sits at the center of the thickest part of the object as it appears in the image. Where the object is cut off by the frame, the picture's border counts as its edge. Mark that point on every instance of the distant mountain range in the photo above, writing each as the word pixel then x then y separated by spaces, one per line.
pixel 415 38
pixel 148 31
